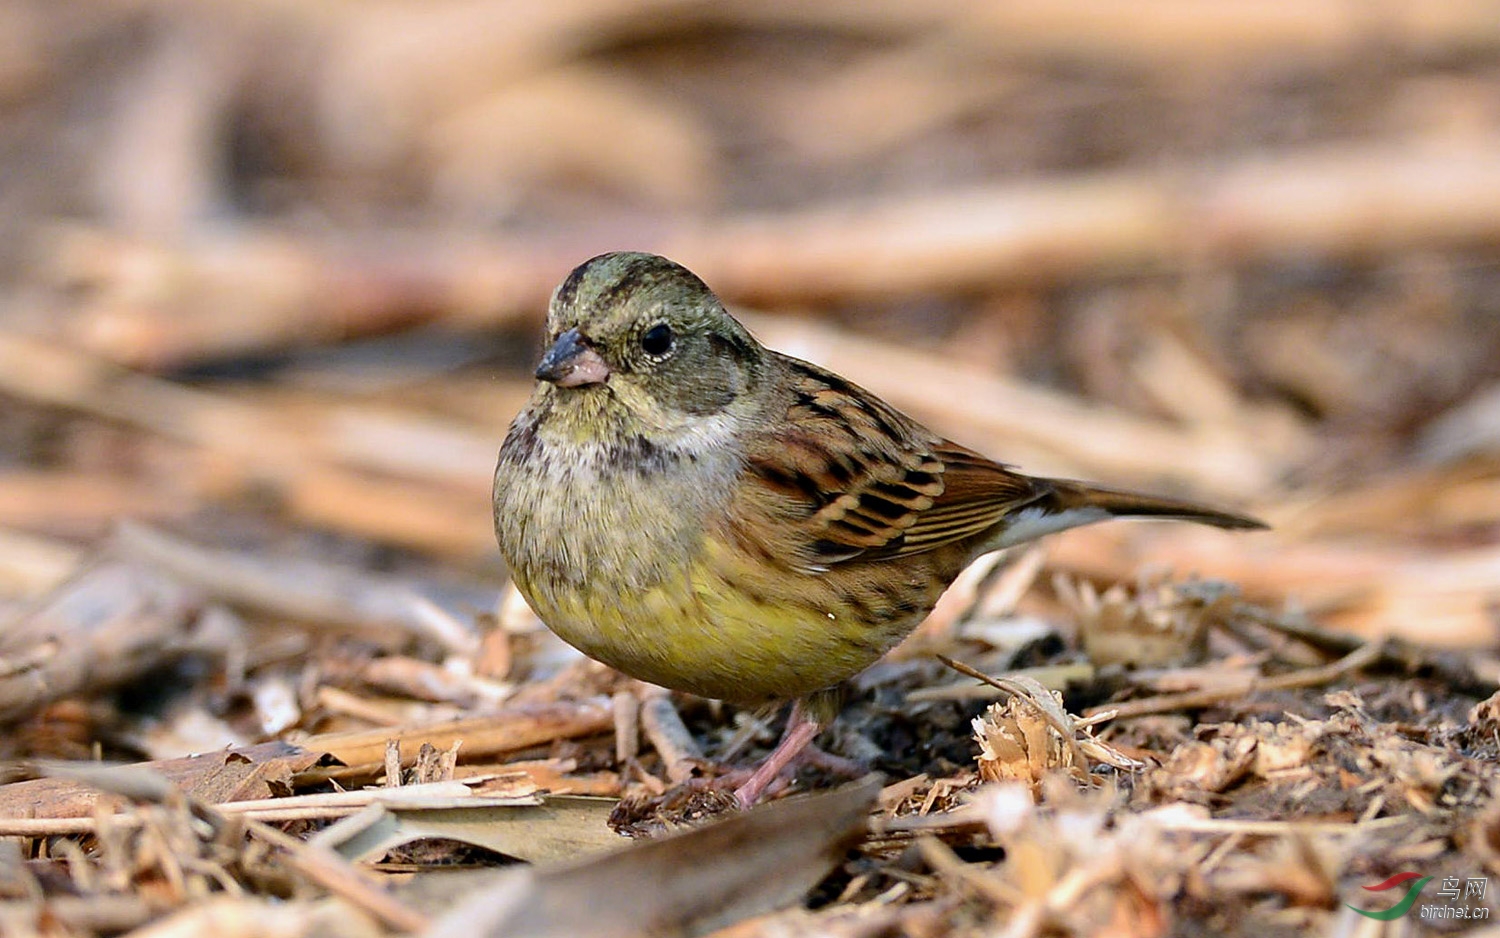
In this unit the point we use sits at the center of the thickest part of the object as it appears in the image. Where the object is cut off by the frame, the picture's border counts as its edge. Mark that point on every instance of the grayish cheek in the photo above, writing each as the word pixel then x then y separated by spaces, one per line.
pixel 704 389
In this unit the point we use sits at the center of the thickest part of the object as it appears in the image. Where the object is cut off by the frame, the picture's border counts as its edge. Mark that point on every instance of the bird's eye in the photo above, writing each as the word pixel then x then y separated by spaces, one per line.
pixel 657 340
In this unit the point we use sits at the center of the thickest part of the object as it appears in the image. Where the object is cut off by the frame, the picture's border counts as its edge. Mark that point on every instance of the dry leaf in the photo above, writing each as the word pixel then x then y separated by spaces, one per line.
pixel 558 828
pixel 687 883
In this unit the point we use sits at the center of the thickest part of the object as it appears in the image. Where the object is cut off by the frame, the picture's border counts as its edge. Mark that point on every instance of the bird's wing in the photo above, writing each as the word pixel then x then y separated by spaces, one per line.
pixel 844 476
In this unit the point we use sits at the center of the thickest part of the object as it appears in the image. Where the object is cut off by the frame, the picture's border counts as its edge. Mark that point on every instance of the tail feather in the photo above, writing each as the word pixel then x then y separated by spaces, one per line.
pixel 1082 499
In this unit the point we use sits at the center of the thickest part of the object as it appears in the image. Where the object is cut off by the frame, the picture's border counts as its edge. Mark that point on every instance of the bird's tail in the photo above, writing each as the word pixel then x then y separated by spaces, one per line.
pixel 1069 496
pixel 1064 504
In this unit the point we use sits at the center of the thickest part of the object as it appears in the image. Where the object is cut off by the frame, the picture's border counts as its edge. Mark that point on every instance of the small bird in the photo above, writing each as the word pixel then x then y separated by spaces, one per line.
pixel 701 512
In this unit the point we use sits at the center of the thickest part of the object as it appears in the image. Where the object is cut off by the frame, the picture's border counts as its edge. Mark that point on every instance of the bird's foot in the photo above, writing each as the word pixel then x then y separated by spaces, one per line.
pixel 820 758
pixel 799 734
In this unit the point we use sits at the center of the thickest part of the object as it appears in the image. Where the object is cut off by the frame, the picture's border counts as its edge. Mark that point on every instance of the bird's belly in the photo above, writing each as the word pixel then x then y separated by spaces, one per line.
pixel 707 631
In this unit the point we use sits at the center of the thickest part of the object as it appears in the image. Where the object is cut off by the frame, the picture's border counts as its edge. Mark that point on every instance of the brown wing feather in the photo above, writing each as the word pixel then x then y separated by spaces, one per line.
pixel 977 493
pixel 846 477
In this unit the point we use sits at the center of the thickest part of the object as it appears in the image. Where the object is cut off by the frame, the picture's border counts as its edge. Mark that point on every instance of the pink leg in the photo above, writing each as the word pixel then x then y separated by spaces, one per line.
pixel 801 729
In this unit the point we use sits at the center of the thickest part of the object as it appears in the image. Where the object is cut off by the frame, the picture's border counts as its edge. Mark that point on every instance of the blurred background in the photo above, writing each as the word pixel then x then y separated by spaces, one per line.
pixel 272 274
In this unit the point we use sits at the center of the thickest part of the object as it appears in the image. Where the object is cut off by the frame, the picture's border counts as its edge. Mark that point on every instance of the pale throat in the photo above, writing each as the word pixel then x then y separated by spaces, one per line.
pixel 656 482
pixel 688 435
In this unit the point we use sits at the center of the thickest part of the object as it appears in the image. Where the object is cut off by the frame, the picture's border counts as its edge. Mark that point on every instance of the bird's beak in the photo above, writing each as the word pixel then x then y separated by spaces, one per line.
pixel 571 363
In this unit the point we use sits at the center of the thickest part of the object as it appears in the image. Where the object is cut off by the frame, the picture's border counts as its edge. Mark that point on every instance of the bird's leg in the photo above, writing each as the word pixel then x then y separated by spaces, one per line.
pixel 801 729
